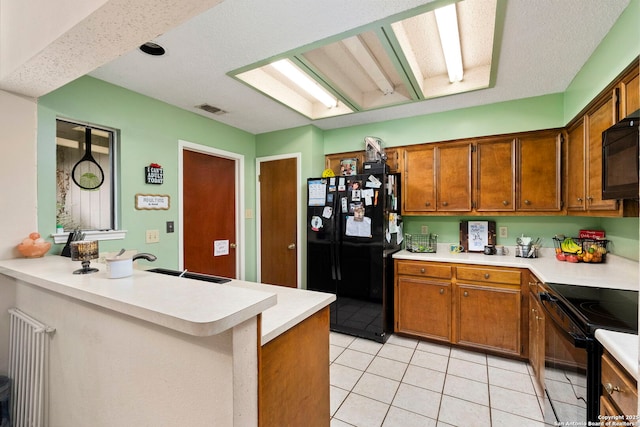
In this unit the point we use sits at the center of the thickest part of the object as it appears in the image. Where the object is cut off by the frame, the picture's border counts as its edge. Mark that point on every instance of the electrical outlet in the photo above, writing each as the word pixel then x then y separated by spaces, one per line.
pixel 424 229
pixel 153 236
pixel 170 227
pixel 504 232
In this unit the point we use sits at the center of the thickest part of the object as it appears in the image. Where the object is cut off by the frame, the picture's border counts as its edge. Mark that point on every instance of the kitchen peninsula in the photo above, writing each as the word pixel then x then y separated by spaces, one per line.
pixel 152 349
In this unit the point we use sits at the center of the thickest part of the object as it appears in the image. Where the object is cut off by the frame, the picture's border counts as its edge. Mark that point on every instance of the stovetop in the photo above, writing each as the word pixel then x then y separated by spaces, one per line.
pixel 603 308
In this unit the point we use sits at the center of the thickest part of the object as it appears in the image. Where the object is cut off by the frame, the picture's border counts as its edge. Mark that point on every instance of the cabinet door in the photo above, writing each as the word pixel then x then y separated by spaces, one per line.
pixel 423 307
pixel 599 118
pixel 489 317
pixel 495 175
pixel 629 93
pixel 419 191
pixel 332 161
pixel 539 172
pixel 453 177
pixel 536 340
pixel 576 167
pixel 393 159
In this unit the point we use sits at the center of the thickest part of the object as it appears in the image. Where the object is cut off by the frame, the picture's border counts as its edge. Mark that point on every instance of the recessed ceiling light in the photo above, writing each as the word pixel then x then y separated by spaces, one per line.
pixel 152 49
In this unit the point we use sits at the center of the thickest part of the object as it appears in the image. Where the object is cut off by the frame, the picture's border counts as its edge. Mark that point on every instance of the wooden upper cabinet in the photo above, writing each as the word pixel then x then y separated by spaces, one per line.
pixel 630 92
pixel 332 161
pixel 393 159
pixel 599 118
pixel 453 177
pixel 539 171
pixel 495 175
pixel 419 186
pixel 576 199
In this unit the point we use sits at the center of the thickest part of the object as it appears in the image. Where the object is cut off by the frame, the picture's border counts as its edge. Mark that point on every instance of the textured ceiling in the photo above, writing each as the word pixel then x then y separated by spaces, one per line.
pixel 543 45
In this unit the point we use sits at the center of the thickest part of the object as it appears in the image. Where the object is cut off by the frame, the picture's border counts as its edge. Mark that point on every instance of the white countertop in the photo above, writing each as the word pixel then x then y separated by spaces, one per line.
pixel 294 305
pixel 615 273
pixel 624 347
pixel 189 306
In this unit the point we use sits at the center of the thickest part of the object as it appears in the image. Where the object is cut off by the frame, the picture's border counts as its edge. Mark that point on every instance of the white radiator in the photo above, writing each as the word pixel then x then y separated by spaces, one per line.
pixel 28 367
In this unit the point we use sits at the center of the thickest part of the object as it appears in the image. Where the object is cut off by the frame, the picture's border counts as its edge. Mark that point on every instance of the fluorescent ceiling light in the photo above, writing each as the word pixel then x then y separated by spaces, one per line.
pixel 447 22
pixel 294 74
pixel 369 64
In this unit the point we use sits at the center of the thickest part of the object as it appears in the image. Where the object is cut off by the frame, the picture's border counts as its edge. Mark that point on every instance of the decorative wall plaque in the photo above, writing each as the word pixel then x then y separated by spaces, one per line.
pixel 153 174
pixel 152 201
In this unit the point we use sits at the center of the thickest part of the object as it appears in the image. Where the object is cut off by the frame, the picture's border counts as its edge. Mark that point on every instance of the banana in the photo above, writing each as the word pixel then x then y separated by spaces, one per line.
pixel 568 245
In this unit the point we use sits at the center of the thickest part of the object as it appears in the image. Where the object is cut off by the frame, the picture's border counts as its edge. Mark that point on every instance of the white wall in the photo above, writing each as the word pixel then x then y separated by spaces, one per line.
pixel 18 194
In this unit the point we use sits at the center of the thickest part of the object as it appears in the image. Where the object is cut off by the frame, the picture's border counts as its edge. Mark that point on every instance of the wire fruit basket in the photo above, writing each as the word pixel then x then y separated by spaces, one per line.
pixel 424 243
pixel 576 249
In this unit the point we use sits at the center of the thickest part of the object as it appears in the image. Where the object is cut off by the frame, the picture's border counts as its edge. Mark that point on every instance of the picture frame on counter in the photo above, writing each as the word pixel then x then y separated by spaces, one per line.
pixel 475 235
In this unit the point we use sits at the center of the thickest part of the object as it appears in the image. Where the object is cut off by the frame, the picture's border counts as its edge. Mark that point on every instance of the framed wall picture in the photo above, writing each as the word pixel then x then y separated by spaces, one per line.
pixel 349 167
pixel 475 235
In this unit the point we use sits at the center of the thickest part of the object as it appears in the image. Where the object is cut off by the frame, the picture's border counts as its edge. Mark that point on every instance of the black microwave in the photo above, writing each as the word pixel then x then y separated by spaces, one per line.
pixel 620 159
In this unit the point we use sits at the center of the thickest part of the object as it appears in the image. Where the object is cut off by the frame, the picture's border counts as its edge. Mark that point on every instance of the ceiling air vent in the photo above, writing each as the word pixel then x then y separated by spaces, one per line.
pixel 211 109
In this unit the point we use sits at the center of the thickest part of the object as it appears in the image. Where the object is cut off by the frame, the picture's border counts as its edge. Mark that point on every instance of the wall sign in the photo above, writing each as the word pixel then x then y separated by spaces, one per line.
pixel 153 174
pixel 152 201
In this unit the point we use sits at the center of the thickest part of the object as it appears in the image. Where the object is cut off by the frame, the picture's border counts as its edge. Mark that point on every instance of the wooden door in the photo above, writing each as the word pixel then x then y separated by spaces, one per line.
pixel 209 214
pixel 489 317
pixel 598 119
pixel 495 175
pixel 576 167
pixel 419 191
pixel 278 222
pixel 423 307
pixel 539 172
pixel 453 177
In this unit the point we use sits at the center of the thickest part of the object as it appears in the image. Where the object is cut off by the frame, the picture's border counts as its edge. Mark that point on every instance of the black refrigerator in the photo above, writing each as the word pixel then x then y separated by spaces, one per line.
pixel 353 229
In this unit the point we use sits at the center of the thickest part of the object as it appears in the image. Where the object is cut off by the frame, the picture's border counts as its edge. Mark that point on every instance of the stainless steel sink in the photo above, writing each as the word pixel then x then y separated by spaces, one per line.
pixel 190 275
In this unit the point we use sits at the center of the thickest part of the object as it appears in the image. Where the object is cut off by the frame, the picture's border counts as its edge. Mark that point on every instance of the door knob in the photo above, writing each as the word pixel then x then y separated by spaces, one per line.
pixel 504 202
pixel 441 291
pixel 466 294
pixel 427 204
pixel 291 246
pixel 232 245
pixel 445 203
pixel 527 202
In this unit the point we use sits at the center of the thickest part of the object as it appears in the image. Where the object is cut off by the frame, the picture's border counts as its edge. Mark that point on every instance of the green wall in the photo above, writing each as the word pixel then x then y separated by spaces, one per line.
pixel 149 132
pixel 618 49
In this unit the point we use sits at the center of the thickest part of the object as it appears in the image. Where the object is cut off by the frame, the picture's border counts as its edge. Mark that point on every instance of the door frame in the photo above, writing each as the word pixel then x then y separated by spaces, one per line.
pixel 259 160
pixel 239 196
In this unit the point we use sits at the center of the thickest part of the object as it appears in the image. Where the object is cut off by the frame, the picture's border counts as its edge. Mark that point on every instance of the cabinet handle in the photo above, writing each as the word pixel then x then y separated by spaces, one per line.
pixel 428 204
pixel 611 389
pixel 504 202
pixel 486 275
pixel 527 202
pixel 445 204
pixel 580 199
pixel 590 198
pixel 441 291
pixel 422 270
pixel 465 293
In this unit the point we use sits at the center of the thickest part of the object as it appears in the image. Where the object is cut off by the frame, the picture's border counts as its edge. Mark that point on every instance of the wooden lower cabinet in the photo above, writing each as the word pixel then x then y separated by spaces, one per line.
pixel 488 317
pixel 536 336
pixel 293 376
pixel 619 392
pixel 429 320
pixel 473 306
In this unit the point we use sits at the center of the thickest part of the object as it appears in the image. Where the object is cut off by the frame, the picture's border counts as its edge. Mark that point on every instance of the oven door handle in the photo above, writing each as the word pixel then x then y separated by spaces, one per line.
pixel 580 340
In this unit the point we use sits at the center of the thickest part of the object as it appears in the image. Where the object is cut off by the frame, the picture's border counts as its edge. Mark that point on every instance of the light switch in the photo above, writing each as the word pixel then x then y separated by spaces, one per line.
pixel 152 236
pixel 504 232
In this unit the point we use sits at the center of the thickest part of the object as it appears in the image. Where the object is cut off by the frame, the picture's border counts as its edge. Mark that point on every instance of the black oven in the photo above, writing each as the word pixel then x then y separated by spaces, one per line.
pixel 572 354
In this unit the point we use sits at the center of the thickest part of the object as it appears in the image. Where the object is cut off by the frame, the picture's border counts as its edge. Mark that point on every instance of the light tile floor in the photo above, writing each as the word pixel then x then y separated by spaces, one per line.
pixel 408 383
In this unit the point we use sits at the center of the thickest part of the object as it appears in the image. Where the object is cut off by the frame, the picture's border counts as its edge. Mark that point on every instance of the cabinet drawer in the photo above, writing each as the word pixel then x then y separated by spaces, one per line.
pixel 619 386
pixel 480 274
pixel 424 269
